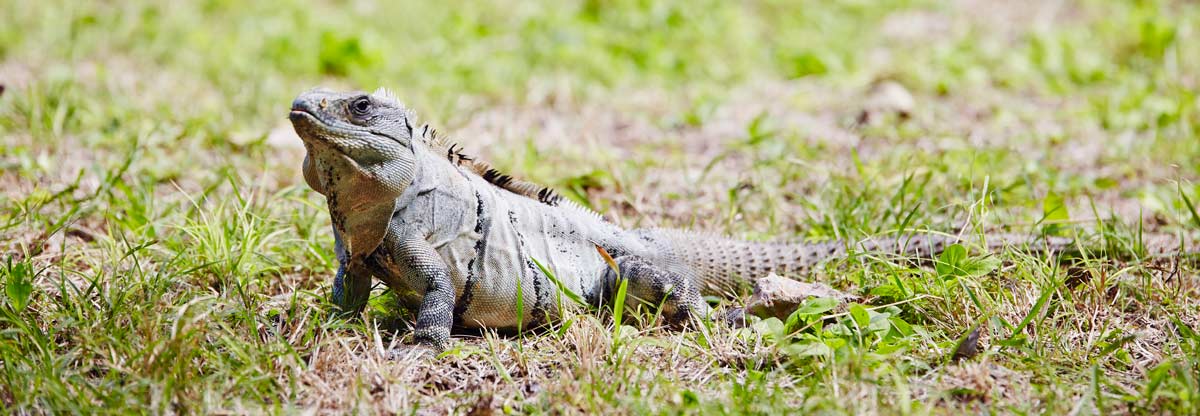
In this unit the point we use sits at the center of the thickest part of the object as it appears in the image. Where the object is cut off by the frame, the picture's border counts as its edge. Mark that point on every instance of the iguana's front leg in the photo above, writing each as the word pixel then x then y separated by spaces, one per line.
pixel 351 284
pixel 436 313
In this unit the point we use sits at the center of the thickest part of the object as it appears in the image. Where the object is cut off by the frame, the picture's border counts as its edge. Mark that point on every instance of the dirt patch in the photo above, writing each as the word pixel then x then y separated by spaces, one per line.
pixel 493 372
pixel 976 386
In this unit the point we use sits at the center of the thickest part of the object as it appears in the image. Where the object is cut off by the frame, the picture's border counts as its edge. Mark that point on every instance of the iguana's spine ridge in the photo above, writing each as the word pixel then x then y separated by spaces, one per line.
pixel 454 153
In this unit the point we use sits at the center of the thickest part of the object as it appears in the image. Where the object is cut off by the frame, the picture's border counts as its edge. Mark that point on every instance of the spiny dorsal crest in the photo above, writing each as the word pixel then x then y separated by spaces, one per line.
pixel 386 95
pixel 454 153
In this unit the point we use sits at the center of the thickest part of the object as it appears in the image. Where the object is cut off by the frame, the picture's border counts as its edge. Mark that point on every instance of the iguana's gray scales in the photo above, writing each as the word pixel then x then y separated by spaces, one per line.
pixel 456 239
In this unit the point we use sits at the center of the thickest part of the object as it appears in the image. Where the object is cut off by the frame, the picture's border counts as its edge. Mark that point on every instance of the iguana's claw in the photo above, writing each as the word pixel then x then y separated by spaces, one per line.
pixel 734 317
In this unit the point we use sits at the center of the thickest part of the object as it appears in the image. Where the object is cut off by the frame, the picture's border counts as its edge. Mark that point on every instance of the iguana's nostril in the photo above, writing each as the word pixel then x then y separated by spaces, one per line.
pixel 300 104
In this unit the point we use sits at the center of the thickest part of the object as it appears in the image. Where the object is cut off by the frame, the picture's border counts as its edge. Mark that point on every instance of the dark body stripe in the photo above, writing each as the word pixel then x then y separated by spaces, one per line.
pixel 483 225
pixel 541 295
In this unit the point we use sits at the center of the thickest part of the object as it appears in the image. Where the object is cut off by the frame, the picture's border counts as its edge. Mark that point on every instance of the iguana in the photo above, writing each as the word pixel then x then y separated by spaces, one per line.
pixel 458 240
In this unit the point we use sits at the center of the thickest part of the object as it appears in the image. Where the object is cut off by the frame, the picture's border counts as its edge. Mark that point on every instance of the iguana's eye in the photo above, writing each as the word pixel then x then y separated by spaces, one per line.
pixel 361 106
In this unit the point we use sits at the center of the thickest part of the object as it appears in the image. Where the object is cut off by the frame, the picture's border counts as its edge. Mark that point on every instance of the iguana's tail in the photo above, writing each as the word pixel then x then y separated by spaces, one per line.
pixel 726 265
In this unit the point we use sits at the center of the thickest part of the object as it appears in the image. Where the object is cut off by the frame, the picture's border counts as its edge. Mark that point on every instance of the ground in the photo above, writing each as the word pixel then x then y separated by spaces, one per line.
pixel 161 252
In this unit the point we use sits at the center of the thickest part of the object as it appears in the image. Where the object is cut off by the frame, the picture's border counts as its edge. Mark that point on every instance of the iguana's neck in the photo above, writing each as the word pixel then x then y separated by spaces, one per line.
pixel 431 171
pixel 361 197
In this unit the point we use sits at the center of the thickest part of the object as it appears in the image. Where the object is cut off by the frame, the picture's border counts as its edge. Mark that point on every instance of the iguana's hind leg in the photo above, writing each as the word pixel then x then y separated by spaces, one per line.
pixel 652 285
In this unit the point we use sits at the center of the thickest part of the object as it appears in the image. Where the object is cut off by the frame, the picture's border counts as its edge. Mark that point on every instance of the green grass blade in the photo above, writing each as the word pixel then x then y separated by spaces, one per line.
pixel 1188 202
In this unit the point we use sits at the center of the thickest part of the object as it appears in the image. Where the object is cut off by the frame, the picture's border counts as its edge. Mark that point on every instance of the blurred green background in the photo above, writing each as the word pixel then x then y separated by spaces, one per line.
pixel 161 251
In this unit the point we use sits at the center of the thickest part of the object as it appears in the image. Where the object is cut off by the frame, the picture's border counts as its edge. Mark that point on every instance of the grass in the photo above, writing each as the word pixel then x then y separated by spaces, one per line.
pixel 162 254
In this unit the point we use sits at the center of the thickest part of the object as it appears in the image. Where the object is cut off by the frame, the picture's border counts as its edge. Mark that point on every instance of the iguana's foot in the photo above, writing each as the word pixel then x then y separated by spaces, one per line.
pixel 734 317
pixel 679 298
pixel 411 352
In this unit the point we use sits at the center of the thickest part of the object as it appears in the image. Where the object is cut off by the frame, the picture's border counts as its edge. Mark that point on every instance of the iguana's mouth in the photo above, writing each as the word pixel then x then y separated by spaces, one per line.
pixel 304 110
pixel 306 121
pixel 311 127
pixel 299 114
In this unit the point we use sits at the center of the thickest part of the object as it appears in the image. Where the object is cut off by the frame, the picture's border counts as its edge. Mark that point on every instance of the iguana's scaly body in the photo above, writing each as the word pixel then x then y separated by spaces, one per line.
pixel 457 239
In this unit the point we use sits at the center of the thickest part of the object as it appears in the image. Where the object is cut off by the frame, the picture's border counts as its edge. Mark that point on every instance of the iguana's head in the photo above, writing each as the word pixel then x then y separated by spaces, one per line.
pixel 368 128
pixel 359 145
